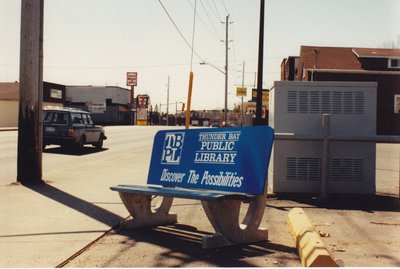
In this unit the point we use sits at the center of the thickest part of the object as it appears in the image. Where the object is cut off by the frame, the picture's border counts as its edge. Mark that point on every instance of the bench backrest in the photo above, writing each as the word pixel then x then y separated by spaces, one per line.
pixel 225 159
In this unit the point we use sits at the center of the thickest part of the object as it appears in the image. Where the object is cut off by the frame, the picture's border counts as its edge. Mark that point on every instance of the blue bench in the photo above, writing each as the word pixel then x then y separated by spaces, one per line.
pixel 221 167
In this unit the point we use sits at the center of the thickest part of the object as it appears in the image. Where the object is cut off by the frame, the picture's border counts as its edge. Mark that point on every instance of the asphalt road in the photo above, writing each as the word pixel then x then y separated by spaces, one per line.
pixel 45 226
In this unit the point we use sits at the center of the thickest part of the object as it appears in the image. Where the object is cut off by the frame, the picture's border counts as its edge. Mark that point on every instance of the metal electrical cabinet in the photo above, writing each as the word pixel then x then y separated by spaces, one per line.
pixel 297 108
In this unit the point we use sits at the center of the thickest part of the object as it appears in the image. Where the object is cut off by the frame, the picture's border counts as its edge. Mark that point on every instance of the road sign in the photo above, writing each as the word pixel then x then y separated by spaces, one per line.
pixel 265 96
pixel 142 114
pixel 142 100
pixel 131 79
pixel 241 91
pixel 97 107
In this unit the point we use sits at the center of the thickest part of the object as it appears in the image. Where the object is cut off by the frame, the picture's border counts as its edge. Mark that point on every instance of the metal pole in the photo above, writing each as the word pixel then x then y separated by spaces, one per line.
pixel 226 73
pixel 133 105
pixel 189 100
pixel 30 133
pixel 241 106
pixel 325 157
pixel 167 101
pixel 260 65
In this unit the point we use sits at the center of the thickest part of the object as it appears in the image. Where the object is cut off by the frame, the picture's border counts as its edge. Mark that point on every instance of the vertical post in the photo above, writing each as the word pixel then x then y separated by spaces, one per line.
pixel 133 104
pixel 167 101
pixel 189 100
pixel 260 66
pixel 325 156
pixel 30 133
pixel 226 73
pixel 241 105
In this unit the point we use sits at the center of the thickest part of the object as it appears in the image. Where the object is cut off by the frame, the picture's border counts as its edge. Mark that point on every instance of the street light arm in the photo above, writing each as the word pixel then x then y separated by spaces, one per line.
pixel 204 63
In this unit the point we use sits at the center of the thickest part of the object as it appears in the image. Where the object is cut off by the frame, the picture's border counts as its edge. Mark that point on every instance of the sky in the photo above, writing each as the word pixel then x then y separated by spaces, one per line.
pixel 96 42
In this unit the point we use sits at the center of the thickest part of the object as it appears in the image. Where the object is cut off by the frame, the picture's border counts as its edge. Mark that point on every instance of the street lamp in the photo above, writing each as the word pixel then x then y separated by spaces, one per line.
pixel 210 64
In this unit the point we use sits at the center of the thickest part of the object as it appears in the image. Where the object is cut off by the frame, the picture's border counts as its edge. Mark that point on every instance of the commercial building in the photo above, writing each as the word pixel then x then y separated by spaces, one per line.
pixel 53 95
pixel 110 105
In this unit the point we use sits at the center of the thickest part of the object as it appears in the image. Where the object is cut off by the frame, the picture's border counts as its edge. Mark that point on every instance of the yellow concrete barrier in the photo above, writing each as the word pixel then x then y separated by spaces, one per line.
pixel 308 242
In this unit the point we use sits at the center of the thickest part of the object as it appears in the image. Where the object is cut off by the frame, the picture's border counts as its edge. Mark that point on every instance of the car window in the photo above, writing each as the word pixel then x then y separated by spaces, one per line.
pixel 87 119
pixel 48 116
pixel 56 118
pixel 76 118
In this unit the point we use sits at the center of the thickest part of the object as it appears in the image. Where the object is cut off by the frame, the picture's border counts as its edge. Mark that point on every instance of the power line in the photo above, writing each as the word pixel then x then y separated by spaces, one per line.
pixel 205 25
pixel 111 67
pixel 209 18
pixel 234 44
pixel 180 33
pixel 223 3
pixel 213 11
pixel 220 18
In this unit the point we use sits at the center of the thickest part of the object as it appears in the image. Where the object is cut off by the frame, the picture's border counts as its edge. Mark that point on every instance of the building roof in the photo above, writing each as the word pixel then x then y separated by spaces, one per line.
pixel 376 53
pixel 340 58
pixel 328 58
pixel 9 91
pixel 94 87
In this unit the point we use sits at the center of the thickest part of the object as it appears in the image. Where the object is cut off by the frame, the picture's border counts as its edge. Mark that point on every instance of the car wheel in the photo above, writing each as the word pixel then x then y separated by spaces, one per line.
pixel 99 144
pixel 81 143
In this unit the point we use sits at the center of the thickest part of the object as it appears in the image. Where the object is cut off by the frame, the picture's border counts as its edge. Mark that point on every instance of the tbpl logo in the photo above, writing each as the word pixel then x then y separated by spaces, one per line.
pixel 172 148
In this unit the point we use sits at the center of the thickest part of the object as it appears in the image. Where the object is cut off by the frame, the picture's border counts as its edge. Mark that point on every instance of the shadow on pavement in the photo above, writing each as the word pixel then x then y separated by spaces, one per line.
pixel 89 209
pixel 67 151
pixel 187 240
pixel 368 203
pixel 53 233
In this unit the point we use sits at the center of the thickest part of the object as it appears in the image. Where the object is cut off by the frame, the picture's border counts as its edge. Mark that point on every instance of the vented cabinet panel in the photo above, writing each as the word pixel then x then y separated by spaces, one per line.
pixel 297 107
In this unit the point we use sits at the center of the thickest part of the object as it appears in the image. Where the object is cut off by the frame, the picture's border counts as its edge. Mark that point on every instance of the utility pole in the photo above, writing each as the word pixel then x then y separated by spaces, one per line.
pixel 190 88
pixel 241 106
pixel 30 133
pixel 226 72
pixel 133 104
pixel 167 101
pixel 260 66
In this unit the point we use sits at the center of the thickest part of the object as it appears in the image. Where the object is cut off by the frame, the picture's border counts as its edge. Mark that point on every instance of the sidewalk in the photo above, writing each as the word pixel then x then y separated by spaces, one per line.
pixel 361 233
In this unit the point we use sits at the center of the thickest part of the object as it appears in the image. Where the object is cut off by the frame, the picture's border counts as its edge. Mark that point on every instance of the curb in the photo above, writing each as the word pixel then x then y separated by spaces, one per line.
pixel 3 129
pixel 309 244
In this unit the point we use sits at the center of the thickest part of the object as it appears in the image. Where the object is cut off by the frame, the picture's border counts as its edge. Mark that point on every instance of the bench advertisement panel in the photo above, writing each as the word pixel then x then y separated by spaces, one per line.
pixel 212 158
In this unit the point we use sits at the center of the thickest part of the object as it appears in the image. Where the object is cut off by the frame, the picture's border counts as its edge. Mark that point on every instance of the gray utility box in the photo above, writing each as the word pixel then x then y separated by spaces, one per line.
pixel 297 108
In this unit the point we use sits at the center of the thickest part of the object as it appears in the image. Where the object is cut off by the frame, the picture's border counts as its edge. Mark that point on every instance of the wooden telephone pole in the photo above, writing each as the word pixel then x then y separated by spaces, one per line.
pixel 29 161
pixel 260 66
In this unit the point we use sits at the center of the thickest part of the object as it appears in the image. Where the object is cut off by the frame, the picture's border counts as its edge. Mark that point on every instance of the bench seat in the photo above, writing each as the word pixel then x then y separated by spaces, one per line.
pixel 183 193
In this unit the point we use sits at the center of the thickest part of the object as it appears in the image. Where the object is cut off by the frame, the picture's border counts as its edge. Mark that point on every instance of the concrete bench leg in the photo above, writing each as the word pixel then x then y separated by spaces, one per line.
pixel 224 217
pixel 139 206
